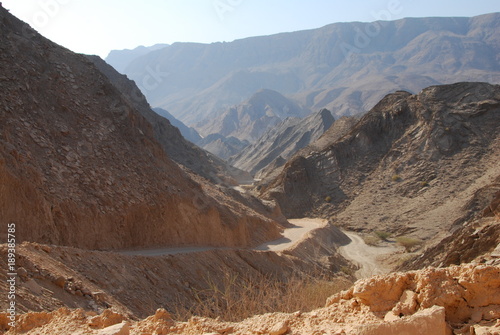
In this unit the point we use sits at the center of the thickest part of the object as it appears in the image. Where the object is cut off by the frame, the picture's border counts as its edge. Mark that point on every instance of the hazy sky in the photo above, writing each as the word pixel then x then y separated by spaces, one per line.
pixel 98 26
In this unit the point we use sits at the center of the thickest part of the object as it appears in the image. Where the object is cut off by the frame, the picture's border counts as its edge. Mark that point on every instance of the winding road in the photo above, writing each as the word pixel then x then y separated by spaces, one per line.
pixel 365 256
pixel 292 235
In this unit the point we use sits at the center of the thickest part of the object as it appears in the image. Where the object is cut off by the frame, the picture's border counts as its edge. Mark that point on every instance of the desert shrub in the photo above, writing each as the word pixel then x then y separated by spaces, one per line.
pixel 383 235
pixel 396 177
pixel 424 184
pixel 371 240
pixel 235 298
pixel 409 243
pixel 328 198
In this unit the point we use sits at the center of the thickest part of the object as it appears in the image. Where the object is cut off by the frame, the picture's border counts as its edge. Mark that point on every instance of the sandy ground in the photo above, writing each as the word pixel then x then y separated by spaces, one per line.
pixel 367 257
pixel 292 235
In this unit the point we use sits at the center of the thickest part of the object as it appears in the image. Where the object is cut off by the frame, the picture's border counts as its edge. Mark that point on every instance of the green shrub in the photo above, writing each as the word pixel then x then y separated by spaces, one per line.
pixel 383 235
pixel 409 243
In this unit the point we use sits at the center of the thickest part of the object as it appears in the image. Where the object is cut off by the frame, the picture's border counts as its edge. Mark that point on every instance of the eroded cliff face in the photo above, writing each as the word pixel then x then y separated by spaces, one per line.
pixel 80 166
pixel 411 161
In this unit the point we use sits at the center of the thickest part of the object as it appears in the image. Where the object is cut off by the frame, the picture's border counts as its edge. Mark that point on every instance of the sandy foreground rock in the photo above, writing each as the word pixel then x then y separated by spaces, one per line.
pixel 455 300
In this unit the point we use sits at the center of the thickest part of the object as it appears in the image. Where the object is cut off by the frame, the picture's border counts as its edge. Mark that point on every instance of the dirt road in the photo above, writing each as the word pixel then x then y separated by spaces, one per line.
pixel 292 235
pixel 366 256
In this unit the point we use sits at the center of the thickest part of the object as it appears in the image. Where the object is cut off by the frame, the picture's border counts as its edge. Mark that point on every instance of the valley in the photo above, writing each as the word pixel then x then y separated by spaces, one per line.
pixel 306 193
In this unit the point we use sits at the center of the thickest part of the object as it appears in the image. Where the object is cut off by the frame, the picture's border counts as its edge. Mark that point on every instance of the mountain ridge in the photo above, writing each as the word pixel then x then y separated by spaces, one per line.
pixel 311 66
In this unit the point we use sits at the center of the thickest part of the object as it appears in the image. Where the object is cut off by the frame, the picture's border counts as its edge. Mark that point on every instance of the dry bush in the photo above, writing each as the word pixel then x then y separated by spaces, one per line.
pixel 371 240
pixel 234 298
pixel 383 235
pixel 409 243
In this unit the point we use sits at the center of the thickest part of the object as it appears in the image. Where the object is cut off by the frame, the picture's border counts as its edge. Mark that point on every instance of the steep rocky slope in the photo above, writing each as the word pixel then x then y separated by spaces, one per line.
pixel 410 162
pixel 455 300
pixel 282 141
pixel 250 120
pixel 345 67
pixel 80 166
pixel 476 234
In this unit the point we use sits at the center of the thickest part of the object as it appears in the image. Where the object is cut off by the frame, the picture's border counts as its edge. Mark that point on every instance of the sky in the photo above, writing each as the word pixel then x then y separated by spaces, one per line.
pixel 99 26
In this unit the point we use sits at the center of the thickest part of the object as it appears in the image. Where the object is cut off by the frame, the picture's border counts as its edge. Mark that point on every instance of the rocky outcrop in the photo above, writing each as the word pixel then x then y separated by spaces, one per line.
pixel 282 141
pixel 454 300
pixel 80 165
pixel 409 162
pixel 344 67
pixel 252 118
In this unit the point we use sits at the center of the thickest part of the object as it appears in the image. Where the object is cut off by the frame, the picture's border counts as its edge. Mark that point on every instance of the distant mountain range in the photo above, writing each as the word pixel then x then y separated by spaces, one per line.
pixel 345 67
pixel 120 59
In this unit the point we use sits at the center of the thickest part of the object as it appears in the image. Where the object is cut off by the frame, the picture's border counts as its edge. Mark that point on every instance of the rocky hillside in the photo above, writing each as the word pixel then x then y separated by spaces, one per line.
pixel 339 128
pixel 80 165
pixel 282 141
pixel 251 119
pixel 476 235
pixel 410 162
pixel 345 67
